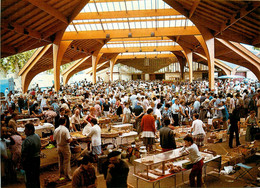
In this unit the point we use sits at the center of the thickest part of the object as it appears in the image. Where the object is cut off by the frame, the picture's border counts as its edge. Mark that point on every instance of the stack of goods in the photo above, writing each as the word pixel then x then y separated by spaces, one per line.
pixel 246 150
pixel 220 136
pixel 153 174
pixel 231 159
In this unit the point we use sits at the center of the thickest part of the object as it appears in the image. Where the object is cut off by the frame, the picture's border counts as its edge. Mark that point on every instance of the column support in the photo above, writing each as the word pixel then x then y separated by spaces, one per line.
pixel 188 54
pixel 58 52
pixel 208 44
pixel 112 64
pixel 95 59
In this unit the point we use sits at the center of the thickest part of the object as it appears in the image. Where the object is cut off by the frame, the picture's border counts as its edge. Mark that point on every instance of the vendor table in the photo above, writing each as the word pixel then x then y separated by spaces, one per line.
pixel 127 135
pixel 174 154
pixel 45 128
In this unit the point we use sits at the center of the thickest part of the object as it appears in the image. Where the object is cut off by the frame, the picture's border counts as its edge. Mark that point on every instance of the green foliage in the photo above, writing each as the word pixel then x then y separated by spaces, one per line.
pixel 15 62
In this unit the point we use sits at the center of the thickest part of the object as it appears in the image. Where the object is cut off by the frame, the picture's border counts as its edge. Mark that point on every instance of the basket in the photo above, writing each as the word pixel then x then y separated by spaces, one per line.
pixel 75 149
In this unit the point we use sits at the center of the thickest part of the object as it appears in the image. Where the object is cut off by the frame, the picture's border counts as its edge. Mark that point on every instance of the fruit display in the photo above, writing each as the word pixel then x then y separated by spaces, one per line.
pixel 77 135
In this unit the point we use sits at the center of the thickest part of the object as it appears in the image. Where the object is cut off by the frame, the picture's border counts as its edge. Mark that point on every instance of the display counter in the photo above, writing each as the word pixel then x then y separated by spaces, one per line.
pixel 154 168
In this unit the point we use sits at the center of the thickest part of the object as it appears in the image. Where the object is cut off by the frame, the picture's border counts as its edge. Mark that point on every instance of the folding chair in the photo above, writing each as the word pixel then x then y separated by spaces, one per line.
pixel 245 169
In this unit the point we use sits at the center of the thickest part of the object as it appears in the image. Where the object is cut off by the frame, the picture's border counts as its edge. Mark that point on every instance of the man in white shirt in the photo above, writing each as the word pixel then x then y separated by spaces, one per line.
pixel 197 130
pixel 175 112
pixel 62 137
pixel 95 134
pixel 195 157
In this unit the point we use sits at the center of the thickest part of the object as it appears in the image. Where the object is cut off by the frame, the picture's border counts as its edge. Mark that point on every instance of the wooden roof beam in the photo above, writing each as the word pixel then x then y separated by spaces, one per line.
pixel 78 8
pixel 151 56
pixel 217 62
pixel 193 8
pixel 121 21
pixel 136 33
pixel 124 14
pixel 251 6
pixel 144 49
pixel 49 9
pixel 139 39
pixel 75 65
pixel 22 30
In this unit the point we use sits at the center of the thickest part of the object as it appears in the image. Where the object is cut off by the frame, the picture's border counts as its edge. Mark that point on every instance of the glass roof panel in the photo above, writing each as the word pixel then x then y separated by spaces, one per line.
pixel 129 5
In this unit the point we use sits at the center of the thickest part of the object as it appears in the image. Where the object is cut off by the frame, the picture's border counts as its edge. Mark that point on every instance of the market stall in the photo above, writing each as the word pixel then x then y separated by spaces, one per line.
pixel 154 168
pixel 40 128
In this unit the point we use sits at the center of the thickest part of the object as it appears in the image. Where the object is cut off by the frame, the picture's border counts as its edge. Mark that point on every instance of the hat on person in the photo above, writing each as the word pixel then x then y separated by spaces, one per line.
pixel 114 154
pixel 207 100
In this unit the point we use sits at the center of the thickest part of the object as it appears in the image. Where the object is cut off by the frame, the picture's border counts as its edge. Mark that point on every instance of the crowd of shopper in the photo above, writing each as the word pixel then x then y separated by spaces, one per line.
pixel 154 106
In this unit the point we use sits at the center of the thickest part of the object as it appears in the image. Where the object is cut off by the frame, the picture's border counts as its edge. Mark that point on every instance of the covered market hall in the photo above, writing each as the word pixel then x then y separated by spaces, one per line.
pixel 144 93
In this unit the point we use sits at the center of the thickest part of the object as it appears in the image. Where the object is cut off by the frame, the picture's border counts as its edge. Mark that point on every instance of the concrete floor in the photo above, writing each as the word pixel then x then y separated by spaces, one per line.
pixel 211 180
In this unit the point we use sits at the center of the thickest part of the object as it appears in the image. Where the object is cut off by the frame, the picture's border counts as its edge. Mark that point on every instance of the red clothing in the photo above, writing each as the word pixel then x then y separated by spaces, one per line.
pixel 148 123
pixel 196 171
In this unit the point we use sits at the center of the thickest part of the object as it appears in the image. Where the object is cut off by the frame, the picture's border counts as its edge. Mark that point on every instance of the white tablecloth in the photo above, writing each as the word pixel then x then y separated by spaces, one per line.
pixel 46 128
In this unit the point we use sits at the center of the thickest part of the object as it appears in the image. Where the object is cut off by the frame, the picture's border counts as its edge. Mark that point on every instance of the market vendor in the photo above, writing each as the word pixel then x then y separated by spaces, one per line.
pixel 116 171
pixel 194 155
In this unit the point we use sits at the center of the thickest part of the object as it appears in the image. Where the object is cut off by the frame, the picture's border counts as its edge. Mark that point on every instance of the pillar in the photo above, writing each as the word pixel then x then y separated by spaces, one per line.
pixel 208 44
pixel 95 59
pixel 112 64
pixel 188 54
pixel 58 52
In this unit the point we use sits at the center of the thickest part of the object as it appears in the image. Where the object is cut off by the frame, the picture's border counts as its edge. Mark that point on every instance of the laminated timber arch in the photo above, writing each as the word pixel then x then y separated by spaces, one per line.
pixel 227 70
pixel 84 64
pixel 25 73
pixel 70 71
pixel 249 60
